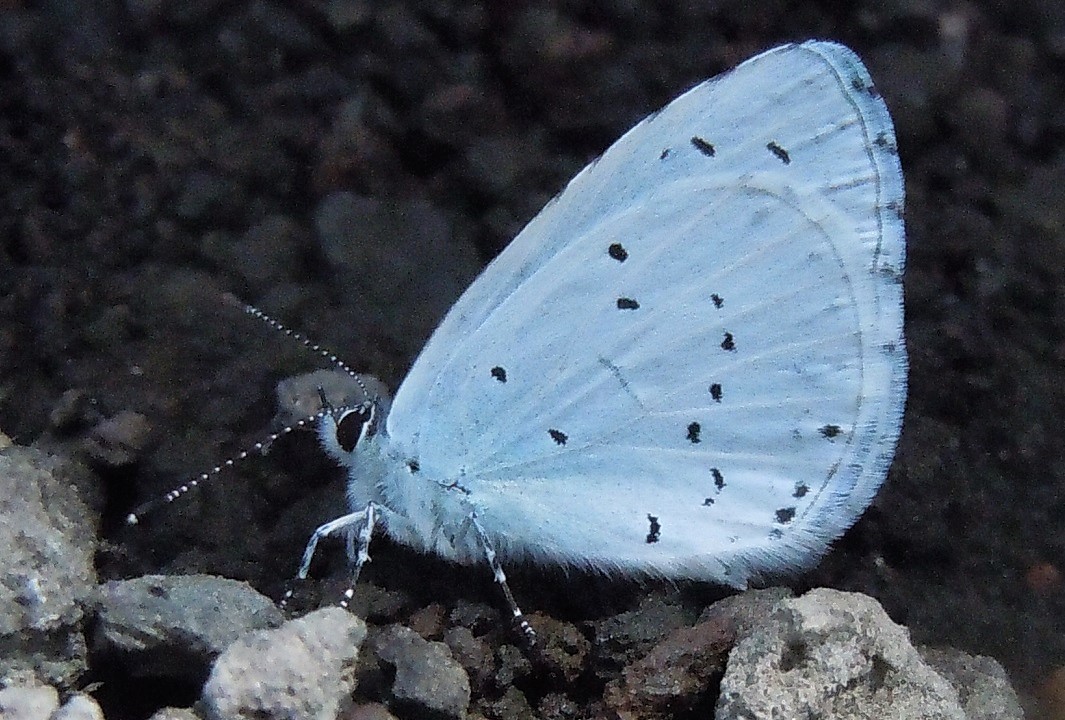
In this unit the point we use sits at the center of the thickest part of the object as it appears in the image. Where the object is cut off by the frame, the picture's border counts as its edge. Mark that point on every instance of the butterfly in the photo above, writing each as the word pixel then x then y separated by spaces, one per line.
pixel 690 364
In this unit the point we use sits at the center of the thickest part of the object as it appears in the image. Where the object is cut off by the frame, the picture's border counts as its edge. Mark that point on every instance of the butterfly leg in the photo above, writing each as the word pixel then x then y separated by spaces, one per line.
pixel 358 530
pixel 359 550
pixel 501 578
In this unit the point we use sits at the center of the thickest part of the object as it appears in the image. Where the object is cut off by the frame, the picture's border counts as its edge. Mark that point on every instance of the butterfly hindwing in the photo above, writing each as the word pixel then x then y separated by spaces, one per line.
pixel 691 362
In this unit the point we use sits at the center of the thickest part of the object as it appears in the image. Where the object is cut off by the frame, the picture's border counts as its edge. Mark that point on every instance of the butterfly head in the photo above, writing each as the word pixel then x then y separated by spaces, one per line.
pixel 345 430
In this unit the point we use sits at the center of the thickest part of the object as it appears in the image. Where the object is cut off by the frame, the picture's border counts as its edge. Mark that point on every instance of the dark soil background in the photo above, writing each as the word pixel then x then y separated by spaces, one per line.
pixel 156 154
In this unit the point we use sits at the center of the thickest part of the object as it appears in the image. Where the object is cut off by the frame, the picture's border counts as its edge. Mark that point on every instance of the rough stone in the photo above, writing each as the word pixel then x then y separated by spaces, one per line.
pixel 176 625
pixel 34 702
pixel 428 681
pixel 48 529
pixel 563 646
pixel 172 713
pixel 832 654
pixel 304 669
pixel 623 638
pixel 79 707
pixel 983 687
pixel 675 677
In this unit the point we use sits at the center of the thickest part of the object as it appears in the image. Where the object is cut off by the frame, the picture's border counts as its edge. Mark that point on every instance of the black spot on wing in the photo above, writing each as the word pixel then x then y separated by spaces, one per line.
pixel 728 343
pixel 413 466
pixel 717 300
pixel 801 489
pixel 719 479
pixel 627 304
pixel 831 431
pixel 883 140
pixel 655 531
pixel 618 252
pixel 703 146
pixel 665 154
pixel 558 436
pixel 694 429
pixel 715 391
pixel 499 374
pixel 861 85
pixel 781 153
pixel 785 515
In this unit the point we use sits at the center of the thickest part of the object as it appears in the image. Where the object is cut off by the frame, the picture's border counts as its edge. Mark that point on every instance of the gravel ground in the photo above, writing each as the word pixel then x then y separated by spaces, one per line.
pixel 155 155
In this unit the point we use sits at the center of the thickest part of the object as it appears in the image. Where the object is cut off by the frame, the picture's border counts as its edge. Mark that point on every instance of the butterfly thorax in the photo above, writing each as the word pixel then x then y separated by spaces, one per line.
pixel 427 513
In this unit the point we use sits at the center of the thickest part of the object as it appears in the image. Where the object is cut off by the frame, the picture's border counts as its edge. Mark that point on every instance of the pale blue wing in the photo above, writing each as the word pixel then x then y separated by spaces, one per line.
pixel 705 327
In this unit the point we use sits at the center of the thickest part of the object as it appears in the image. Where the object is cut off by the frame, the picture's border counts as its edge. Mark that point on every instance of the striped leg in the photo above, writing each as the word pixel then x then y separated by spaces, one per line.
pixel 358 530
pixel 497 570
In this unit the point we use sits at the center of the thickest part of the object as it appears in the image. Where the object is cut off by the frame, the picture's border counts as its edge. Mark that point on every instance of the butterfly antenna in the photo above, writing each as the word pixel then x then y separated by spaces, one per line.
pixel 307 343
pixel 151 506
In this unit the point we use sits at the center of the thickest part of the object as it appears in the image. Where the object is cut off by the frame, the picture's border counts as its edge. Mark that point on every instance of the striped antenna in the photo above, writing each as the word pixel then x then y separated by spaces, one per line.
pixel 151 506
pixel 307 343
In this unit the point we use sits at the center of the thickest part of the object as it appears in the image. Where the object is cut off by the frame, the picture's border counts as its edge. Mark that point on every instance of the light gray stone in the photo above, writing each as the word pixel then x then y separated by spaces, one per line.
pixel 831 654
pixel 982 684
pixel 35 702
pixel 304 669
pixel 79 707
pixel 173 713
pixel 49 513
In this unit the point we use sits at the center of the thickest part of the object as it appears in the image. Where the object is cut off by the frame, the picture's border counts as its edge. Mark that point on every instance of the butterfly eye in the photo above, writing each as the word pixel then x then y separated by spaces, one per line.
pixel 353 426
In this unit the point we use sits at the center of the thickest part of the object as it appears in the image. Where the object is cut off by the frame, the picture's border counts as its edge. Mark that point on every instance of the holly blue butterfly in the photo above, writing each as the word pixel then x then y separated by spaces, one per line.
pixel 690 364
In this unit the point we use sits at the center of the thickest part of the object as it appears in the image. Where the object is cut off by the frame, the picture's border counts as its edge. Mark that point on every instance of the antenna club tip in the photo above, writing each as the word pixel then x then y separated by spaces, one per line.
pixel 132 519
